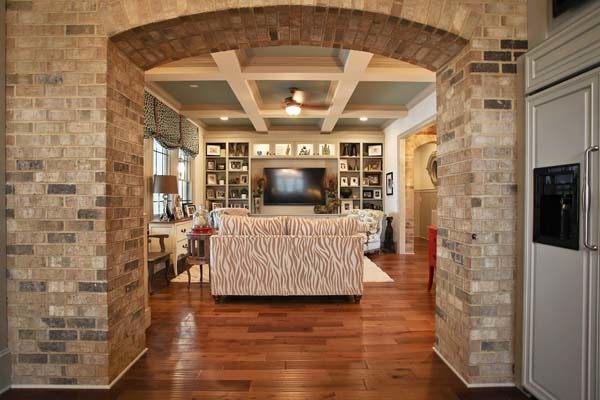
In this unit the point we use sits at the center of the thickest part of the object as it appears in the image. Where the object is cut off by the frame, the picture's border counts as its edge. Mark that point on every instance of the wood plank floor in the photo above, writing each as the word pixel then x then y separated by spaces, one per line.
pixel 297 349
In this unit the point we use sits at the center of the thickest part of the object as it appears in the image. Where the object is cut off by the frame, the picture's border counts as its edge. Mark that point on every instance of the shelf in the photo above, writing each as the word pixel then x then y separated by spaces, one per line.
pixel 215 185
pixel 374 172
pixel 372 157
pixel 236 199
pixel 373 186
pixel 350 157
pixel 237 170
pixel 216 156
pixel 238 185
pixel 295 157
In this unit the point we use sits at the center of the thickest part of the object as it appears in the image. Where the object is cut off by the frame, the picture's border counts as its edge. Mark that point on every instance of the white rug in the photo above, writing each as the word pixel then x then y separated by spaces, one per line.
pixel 372 273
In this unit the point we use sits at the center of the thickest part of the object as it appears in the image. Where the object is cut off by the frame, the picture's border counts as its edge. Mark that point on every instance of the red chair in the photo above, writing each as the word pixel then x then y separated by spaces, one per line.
pixel 432 254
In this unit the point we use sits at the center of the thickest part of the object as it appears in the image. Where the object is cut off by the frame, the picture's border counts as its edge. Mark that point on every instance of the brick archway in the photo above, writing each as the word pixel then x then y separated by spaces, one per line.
pixel 75 159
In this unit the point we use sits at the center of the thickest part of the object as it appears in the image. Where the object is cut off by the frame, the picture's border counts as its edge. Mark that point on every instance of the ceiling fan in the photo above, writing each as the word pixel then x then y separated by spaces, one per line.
pixel 294 104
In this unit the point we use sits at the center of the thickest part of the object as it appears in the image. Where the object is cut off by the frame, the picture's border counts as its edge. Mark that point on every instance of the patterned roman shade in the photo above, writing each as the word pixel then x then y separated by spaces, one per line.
pixel 169 128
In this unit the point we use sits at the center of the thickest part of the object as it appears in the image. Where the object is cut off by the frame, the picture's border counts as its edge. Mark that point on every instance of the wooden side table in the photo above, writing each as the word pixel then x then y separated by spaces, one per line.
pixel 432 254
pixel 198 253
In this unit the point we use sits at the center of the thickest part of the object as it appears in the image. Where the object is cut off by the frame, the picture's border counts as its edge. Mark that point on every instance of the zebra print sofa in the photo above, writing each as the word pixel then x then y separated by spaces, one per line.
pixel 286 256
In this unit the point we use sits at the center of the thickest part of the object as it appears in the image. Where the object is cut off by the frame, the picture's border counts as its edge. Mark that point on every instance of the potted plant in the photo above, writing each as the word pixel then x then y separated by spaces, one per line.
pixel 345 192
pixel 244 193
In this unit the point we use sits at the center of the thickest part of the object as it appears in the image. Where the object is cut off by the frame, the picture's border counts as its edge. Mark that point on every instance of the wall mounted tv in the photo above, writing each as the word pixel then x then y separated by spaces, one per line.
pixel 294 186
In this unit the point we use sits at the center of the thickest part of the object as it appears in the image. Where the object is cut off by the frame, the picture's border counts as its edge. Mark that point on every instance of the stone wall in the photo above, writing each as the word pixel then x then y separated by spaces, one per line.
pixel 477 198
pixel 73 158
pixel 425 135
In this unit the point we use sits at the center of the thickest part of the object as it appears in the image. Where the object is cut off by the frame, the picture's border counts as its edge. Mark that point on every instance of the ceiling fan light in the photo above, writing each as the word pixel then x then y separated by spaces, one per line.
pixel 293 109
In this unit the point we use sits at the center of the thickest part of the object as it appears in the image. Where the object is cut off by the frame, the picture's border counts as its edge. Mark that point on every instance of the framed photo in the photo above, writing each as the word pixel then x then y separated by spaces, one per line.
pixel 326 149
pixel 211 179
pixel 211 165
pixel 374 150
pixel 213 150
pixel 374 180
pixel 365 181
pixel 373 165
pixel 178 213
pixel 377 194
pixel 344 181
pixel 389 184
pixel 220 194
pixel 283 149
pixel 216 205
pixel 210 193
pixel 235 165
pixel 343 165
pixel 354 181
pixel 234 194
pixel 367 194
pixel 346 206
pixel 243 179
pixel 189 209
pixel 221 166
pixel 304 150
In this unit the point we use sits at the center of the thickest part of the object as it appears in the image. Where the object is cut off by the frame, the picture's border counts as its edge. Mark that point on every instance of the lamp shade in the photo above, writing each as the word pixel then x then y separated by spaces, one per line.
pixel 166 184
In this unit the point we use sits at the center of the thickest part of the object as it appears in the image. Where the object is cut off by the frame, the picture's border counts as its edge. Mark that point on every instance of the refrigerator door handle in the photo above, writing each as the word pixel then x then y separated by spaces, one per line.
pixel 587 200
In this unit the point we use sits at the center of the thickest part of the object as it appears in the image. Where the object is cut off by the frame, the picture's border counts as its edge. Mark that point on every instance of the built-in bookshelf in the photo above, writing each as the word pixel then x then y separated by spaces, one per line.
pixel 227 175
pixel 360 174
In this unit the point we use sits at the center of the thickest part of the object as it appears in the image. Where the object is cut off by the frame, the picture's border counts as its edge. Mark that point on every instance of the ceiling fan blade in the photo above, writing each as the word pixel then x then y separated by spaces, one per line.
pixel 298 96
pixel 315 106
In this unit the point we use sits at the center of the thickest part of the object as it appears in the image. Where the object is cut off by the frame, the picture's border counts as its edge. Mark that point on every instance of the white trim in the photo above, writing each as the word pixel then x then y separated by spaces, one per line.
pixel 83 387
pixel 471 385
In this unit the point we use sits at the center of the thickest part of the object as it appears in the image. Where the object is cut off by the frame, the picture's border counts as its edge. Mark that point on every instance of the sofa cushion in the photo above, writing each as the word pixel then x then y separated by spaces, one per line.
pixel 249 226
pixel 215 215
pixel 297 226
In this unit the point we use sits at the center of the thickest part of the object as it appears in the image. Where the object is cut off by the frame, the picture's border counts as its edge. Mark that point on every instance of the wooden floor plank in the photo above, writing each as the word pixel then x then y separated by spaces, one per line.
pixel 313 348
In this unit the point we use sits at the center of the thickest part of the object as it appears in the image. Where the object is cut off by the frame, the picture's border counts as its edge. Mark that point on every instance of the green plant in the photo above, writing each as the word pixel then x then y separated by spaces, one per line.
pixel 345 192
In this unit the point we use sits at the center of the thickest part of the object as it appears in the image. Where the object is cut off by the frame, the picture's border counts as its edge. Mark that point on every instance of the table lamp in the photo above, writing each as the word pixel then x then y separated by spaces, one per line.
pixel 165 184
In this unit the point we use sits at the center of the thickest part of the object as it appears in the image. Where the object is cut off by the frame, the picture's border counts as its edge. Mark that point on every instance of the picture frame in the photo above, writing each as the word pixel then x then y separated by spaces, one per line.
pixel 219 194
pixel 283 149
pixel 304 149
pixel 189 209
pixel 344 181
pixel 374 150
pixel 326 149
pixel 343 165
pixel 374 180
pixel 211 179
pixel 389 184
pixel 211 165
pixel 220 166
pixel 235 165
pixel 210 194
pixel 367 194
pixel 216 205
pixel 354 181
pixel 244 179
pixel 234 194
pixel 346 206
pixel 221 182
pixel 377 194
pixel 213 150
pixel 179 213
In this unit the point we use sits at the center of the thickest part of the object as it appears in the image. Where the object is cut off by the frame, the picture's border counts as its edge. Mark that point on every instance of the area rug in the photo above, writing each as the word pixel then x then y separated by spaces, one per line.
pixel 372 273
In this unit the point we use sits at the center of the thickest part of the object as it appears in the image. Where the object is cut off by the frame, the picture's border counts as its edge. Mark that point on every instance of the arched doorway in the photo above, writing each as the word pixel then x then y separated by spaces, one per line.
pixel 449 39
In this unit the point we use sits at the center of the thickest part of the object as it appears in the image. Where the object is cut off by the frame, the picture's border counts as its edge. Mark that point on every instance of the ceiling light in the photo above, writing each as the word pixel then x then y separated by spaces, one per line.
pixel 293 109
pixel 193 86
pixel 363 119
pixel 224 118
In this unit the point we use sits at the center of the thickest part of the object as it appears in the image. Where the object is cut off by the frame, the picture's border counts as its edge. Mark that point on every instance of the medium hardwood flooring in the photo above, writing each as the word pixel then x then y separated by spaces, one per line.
pixel 293 348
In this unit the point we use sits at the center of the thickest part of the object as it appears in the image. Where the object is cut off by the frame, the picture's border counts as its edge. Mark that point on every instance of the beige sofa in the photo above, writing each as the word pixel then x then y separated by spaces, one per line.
pixel 286 256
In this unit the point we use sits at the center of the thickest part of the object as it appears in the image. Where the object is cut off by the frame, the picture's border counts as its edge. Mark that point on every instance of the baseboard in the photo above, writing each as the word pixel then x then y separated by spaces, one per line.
pixel 84 387
pixel 464 381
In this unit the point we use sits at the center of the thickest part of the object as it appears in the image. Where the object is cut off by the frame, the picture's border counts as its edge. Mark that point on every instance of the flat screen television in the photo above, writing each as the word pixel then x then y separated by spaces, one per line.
pixel 294 186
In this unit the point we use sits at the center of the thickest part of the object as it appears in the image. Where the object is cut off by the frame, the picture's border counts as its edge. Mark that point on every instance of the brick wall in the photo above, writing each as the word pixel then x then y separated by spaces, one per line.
pixel 74 184
pixel 477 198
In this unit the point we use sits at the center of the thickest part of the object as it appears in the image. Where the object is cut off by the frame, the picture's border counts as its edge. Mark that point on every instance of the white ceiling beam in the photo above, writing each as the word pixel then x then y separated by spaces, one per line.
pixel 356 64
pixel 229 64
pixel 374 111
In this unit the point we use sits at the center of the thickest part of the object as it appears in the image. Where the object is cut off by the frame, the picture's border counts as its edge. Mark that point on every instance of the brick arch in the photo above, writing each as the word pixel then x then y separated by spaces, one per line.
pixel 160 42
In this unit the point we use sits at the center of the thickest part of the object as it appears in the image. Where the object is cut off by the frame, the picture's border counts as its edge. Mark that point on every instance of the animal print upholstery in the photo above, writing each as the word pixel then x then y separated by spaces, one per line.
pixel 237 225
pixel 215 215
pixel 286 265
pixel 297 226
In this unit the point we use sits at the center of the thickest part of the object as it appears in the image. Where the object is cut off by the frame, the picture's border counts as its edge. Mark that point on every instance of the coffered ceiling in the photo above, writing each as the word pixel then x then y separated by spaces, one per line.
pixel 247 88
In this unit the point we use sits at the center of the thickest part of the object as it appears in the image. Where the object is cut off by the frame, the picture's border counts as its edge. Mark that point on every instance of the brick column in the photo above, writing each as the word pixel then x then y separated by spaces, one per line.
pixel 477 199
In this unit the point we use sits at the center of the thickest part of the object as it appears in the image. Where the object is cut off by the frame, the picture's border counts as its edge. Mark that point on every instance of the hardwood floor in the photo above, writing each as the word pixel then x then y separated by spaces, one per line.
pixel 299 348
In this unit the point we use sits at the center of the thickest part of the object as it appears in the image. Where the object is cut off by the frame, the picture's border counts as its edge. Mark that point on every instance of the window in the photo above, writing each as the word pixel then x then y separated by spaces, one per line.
pixel 161 160
pixel 184 179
